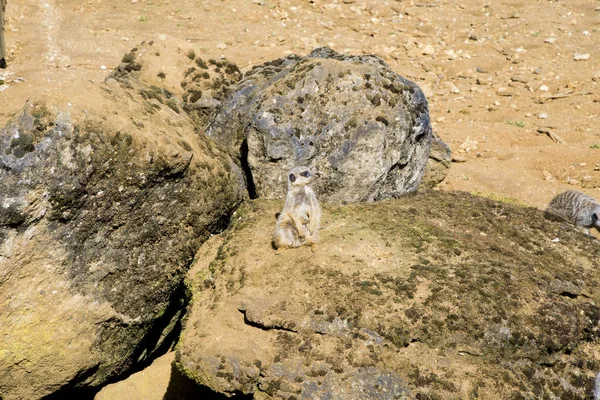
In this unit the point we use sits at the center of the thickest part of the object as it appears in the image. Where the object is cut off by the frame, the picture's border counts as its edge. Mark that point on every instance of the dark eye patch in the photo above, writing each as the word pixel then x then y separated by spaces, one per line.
pixel 292 178
pixel 594 218
pixel 305 174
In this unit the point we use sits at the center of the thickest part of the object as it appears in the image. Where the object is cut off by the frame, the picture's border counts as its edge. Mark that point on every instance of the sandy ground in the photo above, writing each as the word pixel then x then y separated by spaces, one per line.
pixel 512 85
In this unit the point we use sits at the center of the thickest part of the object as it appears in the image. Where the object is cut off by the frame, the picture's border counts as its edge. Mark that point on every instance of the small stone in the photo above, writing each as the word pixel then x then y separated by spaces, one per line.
pixel 469 145
pixel 451 54
pixel 221 46
pixel 550 40
pixel 103 67
pixel 519 78
pixel 458 159
pixel 162 36
pixel 543 115
pixel 497 103
pixel 544 88
pixel 427 50
pixel 581 57
pixel 596 76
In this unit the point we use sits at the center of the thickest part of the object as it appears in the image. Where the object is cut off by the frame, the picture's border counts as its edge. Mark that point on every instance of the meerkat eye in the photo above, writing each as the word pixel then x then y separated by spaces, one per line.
pixel 292 178
pixel 305 174
pixel 594 218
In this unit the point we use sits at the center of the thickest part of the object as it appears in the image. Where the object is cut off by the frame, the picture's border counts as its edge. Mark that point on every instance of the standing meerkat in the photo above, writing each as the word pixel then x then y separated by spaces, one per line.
pixel 577 208
pixel 299 222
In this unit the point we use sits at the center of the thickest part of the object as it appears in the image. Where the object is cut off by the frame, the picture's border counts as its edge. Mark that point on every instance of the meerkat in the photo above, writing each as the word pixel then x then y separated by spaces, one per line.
pixel 577 208
pixel 299 222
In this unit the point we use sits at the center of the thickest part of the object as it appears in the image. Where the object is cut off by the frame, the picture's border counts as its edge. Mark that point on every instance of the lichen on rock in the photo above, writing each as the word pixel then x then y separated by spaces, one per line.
pixel 102 207
pixel 364 127
pixel 433 295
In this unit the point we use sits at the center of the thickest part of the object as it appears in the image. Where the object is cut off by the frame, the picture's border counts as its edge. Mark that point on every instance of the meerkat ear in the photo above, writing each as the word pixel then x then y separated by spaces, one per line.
pixel 292 178
pixel 594 218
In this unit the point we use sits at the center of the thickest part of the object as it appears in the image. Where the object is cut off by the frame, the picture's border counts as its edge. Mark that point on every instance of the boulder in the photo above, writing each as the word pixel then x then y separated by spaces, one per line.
pixel 365 128
pixel 438 165
pixel 431 296
pixel 105 195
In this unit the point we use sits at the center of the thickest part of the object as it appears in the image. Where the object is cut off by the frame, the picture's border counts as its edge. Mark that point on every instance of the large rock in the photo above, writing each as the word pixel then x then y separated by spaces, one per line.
pixel 365 128
pixel 431 296
pixel 438 166
pixel 103 203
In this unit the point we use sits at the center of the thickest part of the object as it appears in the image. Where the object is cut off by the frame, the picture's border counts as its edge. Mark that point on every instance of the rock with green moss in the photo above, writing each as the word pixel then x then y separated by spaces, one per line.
pixel 103 203
pixel 179 77
pixel 364 127
pixel 432 296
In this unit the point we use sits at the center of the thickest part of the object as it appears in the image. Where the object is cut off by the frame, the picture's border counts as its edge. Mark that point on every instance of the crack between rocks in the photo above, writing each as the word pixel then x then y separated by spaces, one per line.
pixel 264 327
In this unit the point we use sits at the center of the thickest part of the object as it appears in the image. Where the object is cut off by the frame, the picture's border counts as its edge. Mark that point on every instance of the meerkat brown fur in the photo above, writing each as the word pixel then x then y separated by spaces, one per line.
pixel 299 222
pixel 577 208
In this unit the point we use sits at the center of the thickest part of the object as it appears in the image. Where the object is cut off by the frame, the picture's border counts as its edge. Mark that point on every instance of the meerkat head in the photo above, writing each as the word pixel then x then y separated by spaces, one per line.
pixel 300 176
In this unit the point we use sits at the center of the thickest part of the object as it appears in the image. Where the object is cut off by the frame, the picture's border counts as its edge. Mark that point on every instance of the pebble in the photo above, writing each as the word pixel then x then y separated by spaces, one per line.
pixel 581 57
pixel 544 88
pixel 543 115
pixel 221 46
pixel 596 76
pixel 427 50
pixel 497 103
pixel 451 54
pixel 162 36
pixel 550 40
pixel 103 67
pixel 468 145
pixel 519 78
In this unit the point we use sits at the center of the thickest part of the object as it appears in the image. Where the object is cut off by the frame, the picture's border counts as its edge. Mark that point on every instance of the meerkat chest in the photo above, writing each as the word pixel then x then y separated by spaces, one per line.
pixel 302 206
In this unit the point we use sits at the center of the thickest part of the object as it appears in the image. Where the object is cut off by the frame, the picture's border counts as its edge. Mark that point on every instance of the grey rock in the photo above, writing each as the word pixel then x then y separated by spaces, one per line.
pixel 102 207
pixel 365 128
pixel 438 165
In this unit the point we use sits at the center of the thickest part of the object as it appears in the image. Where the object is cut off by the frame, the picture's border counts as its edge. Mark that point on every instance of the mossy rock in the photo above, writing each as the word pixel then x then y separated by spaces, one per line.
pixel 431 296
pixel 101 213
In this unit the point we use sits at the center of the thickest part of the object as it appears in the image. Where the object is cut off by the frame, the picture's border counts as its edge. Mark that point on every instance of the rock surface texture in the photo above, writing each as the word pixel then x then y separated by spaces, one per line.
pixel 438 166
pixel 365 128
pixel 431 296
pixel 103 204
